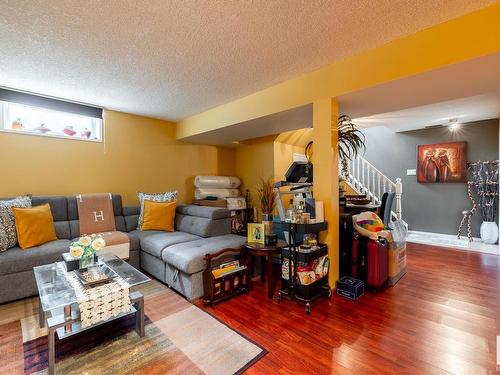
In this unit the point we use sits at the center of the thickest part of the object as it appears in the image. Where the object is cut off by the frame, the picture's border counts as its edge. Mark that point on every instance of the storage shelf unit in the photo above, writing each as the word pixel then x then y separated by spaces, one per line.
pixel 290 287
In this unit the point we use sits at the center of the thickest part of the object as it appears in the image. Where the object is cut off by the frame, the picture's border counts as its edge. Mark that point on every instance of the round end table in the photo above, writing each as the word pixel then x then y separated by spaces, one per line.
pixel 264 251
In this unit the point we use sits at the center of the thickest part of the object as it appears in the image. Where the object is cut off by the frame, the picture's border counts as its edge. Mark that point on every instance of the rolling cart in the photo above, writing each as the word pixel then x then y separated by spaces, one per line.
pixel 292 258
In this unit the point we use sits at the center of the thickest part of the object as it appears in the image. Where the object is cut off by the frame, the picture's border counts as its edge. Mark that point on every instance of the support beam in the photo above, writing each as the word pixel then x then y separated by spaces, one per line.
pixel 326 180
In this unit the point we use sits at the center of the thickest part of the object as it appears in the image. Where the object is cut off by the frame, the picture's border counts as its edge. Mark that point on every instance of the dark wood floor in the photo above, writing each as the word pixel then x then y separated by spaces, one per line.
pixel 441 318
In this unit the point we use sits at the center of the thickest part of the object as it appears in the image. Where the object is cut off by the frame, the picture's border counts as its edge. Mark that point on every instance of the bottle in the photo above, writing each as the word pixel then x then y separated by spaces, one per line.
pixel 299 213
pixel 17 124
pixel 290 213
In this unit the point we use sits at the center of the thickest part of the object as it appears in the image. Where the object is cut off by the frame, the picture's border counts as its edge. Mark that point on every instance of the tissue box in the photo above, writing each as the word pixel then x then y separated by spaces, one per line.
pixel 73 263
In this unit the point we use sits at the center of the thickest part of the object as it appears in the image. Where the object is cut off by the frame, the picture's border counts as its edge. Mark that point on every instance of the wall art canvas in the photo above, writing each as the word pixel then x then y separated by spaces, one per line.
pixel 442 162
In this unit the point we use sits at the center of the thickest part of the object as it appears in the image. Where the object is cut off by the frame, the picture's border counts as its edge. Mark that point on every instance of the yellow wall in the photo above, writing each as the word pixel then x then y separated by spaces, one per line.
pixel 467 37
pixel 138 154
pixel 285 145
pixel 254 160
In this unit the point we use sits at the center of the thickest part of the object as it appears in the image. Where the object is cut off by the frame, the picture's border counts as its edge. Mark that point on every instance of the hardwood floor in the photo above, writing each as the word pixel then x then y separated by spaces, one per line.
pixel 441 318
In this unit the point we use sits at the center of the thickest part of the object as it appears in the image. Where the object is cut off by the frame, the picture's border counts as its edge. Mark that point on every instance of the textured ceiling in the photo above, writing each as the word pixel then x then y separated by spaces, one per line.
pixel 174 58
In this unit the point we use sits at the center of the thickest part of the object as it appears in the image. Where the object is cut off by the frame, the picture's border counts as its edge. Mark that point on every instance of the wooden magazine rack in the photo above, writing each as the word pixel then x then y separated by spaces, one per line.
pixel 231 284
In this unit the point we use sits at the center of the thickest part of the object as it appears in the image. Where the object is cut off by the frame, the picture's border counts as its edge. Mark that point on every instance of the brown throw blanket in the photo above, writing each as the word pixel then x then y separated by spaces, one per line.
pixel 95 212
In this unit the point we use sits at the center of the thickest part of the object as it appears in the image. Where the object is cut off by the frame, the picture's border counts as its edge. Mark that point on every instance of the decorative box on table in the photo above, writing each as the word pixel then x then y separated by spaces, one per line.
pixel 73 263
pixel 350 287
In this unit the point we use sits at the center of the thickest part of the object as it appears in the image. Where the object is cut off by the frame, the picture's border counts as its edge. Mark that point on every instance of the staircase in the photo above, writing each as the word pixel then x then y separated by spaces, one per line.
pixel 368 180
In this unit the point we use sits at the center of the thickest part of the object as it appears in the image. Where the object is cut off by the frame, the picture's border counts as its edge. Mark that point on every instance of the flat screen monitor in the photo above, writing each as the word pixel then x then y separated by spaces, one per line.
pixel 299 173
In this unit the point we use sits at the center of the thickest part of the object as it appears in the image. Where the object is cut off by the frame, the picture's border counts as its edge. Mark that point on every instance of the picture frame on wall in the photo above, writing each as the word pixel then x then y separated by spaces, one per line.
pixel 255 233
pixel 442 162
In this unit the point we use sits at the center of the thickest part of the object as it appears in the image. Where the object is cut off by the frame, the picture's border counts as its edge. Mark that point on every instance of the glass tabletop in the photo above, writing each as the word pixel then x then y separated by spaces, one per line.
pixel 55 291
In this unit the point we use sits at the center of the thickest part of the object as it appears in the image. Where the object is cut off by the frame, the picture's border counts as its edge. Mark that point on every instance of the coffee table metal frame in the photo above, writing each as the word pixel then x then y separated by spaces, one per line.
pixel 58 307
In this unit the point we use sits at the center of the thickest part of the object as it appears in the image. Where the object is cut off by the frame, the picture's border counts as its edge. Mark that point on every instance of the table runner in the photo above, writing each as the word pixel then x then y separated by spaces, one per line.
pixel 99 303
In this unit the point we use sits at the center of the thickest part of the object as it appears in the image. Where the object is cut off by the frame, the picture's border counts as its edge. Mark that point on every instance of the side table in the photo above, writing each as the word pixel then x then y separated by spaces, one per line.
pixel 260 250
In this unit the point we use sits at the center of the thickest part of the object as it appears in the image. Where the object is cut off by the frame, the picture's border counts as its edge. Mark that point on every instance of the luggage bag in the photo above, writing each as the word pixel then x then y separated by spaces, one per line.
pixel 359 257
pixel 377 263
pixel 346 234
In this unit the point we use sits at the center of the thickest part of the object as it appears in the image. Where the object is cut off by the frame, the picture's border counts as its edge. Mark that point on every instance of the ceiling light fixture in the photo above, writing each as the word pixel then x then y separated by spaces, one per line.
pixel 454 125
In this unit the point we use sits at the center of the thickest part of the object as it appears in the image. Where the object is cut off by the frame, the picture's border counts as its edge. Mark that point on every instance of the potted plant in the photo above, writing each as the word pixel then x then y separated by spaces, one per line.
pixel 351 142
pixel 267 201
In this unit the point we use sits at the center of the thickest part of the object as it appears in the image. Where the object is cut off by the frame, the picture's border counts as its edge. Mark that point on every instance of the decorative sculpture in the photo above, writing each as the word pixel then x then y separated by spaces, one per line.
pixel 483 179
pixel 467 214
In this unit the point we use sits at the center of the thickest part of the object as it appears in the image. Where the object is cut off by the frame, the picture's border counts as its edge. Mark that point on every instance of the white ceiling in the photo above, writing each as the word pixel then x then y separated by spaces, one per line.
pixel 171 59
pixel 464 110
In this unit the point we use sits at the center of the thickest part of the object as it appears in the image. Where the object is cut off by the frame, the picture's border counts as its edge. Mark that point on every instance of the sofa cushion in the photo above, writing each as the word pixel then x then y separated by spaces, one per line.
pixel 34 226
pixel 131 222
pixel 201 226
pixel 8 235
pixel 62 230
pixel 156 243
pixel 58 205
pixel 17 260
pixel 168 196
pixel 188 256
pixel 213 213
pixel 158 216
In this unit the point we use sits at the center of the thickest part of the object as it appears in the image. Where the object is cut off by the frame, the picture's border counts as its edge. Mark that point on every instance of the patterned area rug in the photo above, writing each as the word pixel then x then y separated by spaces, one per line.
pixel 180 338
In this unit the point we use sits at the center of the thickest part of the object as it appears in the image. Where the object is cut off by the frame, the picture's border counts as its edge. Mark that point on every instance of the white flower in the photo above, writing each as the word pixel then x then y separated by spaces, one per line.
pixel 85 241
pixel 98 244
pixel 75 251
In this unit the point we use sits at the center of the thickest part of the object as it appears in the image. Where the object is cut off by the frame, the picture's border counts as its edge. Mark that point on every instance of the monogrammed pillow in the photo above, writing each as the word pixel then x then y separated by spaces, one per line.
pixel 8 236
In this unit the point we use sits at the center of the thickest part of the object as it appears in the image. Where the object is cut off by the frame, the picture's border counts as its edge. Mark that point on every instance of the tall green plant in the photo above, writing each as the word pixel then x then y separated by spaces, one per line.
pixel 351 141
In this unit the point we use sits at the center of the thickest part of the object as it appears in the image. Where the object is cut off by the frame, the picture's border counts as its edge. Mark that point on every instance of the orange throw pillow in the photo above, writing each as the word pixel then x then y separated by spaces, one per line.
pixel 34 226
pixel 159 216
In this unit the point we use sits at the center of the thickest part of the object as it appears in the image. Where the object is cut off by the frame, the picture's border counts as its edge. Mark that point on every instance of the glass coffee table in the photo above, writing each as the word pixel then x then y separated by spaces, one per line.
pixel 58 306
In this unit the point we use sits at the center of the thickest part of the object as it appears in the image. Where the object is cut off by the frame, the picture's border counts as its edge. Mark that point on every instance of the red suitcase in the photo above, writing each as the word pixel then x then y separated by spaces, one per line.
pixel 377 263
pixel 359 258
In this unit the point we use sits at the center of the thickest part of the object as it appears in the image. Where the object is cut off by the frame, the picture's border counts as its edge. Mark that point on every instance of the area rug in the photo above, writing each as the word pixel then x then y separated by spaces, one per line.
pixel 180 339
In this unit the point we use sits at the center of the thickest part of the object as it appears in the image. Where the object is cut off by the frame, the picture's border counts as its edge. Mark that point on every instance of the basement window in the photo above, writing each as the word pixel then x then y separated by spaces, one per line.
pixel 50 122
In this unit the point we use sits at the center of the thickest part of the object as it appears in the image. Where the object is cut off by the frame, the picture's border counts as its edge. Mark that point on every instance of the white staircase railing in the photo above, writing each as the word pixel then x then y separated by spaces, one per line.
pixel 368 180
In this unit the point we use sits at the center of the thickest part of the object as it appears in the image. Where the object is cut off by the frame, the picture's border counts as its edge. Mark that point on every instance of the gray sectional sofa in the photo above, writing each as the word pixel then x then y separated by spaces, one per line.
pixel 174 258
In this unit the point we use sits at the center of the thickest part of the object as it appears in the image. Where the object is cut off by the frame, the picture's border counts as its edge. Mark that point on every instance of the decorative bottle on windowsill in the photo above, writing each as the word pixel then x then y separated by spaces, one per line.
pixel 17 124
pixel 489 232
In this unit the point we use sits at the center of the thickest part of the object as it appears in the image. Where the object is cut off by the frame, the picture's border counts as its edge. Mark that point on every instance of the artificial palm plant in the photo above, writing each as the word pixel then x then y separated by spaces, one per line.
pixel 266 196
pixel 351 142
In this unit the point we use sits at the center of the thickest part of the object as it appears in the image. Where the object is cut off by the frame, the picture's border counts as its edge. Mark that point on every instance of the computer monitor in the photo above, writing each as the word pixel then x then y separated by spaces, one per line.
pixel 299 173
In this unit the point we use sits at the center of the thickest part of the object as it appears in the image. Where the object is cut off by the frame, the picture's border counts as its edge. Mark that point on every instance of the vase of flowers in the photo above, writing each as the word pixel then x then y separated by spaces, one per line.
pixel 85 249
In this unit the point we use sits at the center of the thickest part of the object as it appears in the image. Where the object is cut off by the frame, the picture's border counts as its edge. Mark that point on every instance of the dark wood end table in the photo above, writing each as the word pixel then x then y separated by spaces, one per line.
pixel 264 251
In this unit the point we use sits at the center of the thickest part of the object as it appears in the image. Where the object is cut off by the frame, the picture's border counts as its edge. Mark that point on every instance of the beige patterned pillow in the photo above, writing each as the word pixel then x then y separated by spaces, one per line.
pixel 8 236
pixel 167 196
